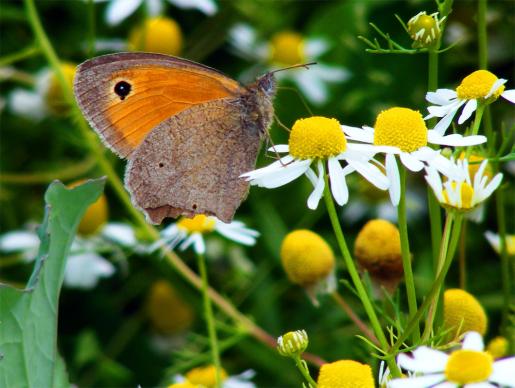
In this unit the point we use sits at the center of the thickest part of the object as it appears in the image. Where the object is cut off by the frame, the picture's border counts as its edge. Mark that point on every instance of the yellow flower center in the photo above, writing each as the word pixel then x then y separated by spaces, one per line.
pixel 345 374
pixel 306 257
pixel 462 312
pixel 316 137
pixel 157 35
pixel 474 161
pixel 287 48
pixel 378 249
pixel 168 313
pixel 184 384
pixel 477 85
pixel 96 215
pixel 466 192
pixel 424 29
pixel 402 128
pixel 510 244
pixel 205 376
pixel 468 366
pixel 54 96
pixel 198 224
pixel 498 347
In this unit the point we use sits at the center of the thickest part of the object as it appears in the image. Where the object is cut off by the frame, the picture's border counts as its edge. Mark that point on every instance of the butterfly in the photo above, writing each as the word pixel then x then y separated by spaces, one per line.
pixel 187 130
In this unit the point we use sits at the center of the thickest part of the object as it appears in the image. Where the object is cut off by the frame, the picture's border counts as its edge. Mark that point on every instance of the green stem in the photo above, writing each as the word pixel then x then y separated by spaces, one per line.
pixel 360 288
pixel 210 321
pixel 414 321
pixel 302 367
pixel 405 251
pixel 442 257
pixel 463 256
pixel 91 28
pixel 25 53
pixel 482 35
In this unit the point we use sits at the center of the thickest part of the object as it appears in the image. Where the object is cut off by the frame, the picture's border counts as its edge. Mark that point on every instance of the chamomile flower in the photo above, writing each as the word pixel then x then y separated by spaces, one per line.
pixel 479 87
pixel 469 366
pixel 495 241
pixel 459 191
pixel 204 377
pixel 345 374
pixel 319 141
pixel 287 48
pixel 190 231
pixel 403 132
pixel 119 10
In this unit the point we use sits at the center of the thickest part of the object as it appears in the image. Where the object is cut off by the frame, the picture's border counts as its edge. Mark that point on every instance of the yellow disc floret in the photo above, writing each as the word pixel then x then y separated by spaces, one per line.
pixel 198 224
pixel 466 194
pixel 462 313
pixel 287 48
pixel 400 127
pixel 345 374
pixel 167 312
pixel 158 35
pixel 478 85
pixel 205 376
pixel 184 384
pixel 316 137
pixel 498 347
pixel 54 97
pixel 306 257
pixel 468 366
pixel 378 249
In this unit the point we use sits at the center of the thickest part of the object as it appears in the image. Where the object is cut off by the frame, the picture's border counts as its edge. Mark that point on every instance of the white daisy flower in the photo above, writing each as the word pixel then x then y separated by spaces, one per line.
pixel 20 241
pixel 468 367
pixel 317 140
pixel 289 48
pixel 461 192
pixel 189 232
pixel 480 87
pixel 84 270
pixel 119 10
pixel 206 374
pixel 495 241
pixel 403 132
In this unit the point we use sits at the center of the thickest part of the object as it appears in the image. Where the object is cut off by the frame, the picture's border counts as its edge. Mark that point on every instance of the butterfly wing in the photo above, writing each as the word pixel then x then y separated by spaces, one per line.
pixel 191 163
pixel 125 95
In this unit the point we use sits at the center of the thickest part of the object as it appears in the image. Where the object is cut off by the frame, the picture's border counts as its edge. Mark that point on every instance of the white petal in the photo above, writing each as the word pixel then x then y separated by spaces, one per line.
pixel 283 175
pixel 441 96
pixel 311 86
pixel 317 193
pixel 338 184
pixel 207 7
pixel 198 243
pixel 416 382
pixel 154 7
pixel 509 95
pixel 27 104
pixel 279 148
pixel 270 169
pixel 491 187
pixel 243 38
pixel 469 108
pixel 504 372
pixel 358 134
pixel 315 47
pixel 444 110
pixel 120 233
pixel 435 182
pixel 454 140
pixel 392 172
pixel 118 10
pixel 424 360
pixel 425 154
pixel 411 163
pixel 370 172
pixel 494 240
pixel 445 384
pixel 473 341
pixel 479 385
pixel 85 270
pixel 237 232
pixel 18 241
pixel 495 86
pixel 330 73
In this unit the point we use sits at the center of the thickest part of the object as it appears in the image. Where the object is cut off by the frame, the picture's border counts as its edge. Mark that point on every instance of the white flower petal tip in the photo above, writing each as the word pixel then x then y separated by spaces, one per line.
pixel 509 95
pixel 85 270
pixel 473 341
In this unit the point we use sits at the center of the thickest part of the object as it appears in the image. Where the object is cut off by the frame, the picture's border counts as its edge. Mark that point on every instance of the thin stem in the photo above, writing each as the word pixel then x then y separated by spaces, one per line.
pixel 414 321
pixel 405 251
pixel 360 288
pixel 354 318
pixel 442 257
pixel 210 321
pixel 482 35
pixel 463 256
pixel 25 53
pixel 302 367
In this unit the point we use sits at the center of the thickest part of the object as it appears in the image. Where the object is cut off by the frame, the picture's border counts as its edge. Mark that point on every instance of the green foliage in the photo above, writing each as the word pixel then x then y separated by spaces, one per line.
pixel 28 328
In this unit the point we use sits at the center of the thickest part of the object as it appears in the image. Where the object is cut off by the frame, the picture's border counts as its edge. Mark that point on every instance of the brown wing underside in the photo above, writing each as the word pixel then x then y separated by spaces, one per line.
pixel 190 164
pixel 161 86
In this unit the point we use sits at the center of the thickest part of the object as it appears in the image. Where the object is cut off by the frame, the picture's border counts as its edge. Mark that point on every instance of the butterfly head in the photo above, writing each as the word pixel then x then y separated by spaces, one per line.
pixel 267 84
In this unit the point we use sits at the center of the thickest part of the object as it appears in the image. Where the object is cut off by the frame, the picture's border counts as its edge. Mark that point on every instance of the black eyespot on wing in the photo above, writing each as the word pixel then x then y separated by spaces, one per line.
pixel 161 165
pixel 194 207
pixel 122 89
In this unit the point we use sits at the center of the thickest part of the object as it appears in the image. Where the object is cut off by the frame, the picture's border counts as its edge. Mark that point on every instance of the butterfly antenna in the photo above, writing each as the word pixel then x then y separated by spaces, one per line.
pixel 304 65
pixel 306 106
pixel 269 140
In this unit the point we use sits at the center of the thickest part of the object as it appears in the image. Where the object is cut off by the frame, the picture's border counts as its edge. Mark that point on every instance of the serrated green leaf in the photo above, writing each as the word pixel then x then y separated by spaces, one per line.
pixel 28 318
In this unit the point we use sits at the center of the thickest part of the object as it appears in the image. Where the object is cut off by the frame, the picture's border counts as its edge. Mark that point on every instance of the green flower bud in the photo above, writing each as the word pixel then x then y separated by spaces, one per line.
pixel 424 29
pixel 292 343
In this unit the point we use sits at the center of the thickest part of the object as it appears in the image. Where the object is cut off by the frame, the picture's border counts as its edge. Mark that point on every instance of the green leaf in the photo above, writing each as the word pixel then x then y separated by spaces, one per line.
pixel 28 318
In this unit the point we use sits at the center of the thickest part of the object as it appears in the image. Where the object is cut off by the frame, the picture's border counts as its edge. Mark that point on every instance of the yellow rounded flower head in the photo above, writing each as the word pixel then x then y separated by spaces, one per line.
pixel 316 137
pixel 378 249
pixel 205 376
pixel 292 343
pixel 345 374
pixel 478 85
pixel 96 215
pixel 168 313
pixel 402 128
pixel 498 347
pixel 462 312
pixel 468 366
pixel 158 35
pixel 184 384
pixel 287 48
pixel 306 257
pixel 198 224
pixel 424 29
pixel 54 97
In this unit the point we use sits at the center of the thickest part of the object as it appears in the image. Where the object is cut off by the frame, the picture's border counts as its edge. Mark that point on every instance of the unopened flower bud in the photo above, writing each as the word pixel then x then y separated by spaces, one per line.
pixel 292 343
pixel 424 29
